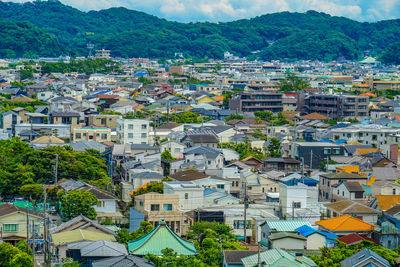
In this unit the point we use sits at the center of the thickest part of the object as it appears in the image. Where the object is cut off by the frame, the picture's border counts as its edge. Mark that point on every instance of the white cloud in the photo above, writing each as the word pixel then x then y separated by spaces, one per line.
pixel 227 10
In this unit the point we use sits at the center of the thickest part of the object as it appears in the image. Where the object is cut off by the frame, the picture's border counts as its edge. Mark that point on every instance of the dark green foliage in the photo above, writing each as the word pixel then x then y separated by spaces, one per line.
pixel 268 116
pixel 77 202
pixel 123 236
pixel 245 150
pixel 331 257
pixel 21 165
pixel 157 187
pixel 88 66
pixel 128 33
pixel 274 148
pixel 187 117
pixel 23 39
pixel 392 54
pixel 8 105
pixel 11 256
pixel 167 156
pixel 234 117
pixel 292 84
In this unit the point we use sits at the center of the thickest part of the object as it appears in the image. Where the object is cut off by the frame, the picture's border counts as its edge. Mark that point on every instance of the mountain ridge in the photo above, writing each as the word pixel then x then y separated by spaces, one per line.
pixel 130 33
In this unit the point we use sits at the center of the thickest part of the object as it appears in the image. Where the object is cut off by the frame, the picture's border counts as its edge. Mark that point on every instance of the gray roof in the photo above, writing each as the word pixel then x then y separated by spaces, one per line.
pixel 78 219
pixel 209 152
pixel 143 146
pixel 104 248
pixel 123 261
pixel 361 257
pixel 145 175
pixel 84 145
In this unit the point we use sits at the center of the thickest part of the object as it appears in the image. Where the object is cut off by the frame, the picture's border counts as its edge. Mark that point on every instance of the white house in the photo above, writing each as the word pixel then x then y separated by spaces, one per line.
pixel 142 176
pixel 133 131
pixel 217 184
pixel 175 148
pixel 212 197
pixel 190 194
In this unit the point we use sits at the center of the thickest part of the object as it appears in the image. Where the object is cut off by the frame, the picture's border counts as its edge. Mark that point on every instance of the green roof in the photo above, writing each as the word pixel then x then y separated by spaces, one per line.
pixel 277 257
pixel 160 238
pixel 79 235
pixel 286 226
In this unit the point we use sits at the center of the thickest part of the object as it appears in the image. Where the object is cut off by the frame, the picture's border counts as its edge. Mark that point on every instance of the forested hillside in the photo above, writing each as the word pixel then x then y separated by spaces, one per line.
pixel 128 33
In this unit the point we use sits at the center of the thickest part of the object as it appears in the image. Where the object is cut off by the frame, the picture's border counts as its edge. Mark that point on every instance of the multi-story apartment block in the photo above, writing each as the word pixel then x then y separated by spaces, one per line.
pixel 257 101
pixel 102 120
pixel 97 134
pixel 337 106
pixel 133 131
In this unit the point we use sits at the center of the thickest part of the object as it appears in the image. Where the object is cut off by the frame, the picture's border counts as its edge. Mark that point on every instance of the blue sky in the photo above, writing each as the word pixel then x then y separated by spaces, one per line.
pixel 227 10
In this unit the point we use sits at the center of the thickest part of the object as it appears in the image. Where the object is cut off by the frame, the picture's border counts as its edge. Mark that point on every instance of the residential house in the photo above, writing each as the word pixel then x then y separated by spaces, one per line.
pixel 385 188
pixel 270 227
pixel 287 241
pixel 157 207
pixel 316 239
pixel 277 257
pixel 128 260
pixel 348 190
pixel 224 133
pixel 164 130
pixel 10 119
pixel 352 208
pixel 345 224
pixel 69 118
pixel 352 239
pixel 200 139
pixel 97 134
pixel 102 120
pixel 133 131
pixel 233 258
pixel 141 177
pixel 175 148
pixel 213 197
pixel 286 165
pixel 14 224
pixel 365 257
pixel 190 194
pixel 328 182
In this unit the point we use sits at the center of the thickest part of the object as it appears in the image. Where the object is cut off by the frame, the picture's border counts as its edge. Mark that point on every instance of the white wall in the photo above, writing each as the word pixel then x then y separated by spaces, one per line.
pixel 106 206
pixel 316 241
pixel 288 243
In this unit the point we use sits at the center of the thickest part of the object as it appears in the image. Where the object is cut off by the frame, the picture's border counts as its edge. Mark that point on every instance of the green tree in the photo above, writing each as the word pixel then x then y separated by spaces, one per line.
pixel 77 202
pixel 157 187
pixel 274 148
pixel 167 155
pixel 11 256
pixel 32 191
pixel 123 236
pixel 234 117
pixel 292 83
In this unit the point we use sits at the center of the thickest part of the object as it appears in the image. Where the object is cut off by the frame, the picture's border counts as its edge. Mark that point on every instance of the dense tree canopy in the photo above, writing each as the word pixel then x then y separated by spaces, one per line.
pixel 21 165
pixel 11 256
pixel 77 202
pixel 310 35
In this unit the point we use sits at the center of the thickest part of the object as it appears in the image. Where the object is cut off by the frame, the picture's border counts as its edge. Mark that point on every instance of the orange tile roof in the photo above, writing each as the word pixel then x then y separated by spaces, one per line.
pixel 385 202
pixel 363 151
pixel 345 223
pixel 368 94
pixel 219 98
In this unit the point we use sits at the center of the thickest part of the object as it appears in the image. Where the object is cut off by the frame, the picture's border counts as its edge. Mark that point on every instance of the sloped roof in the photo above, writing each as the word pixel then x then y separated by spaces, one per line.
pixel 394 210
pixel 277 257
pixel 306 230
pixel 343 175
pixel 188 175
pixel 122 261
pixel 346 223
pixel 286 226
pixel 280 235
pixel 48 140
pixel 363 255
pixel 385 202
pixel 353 186
pixel 79 235
pixel 158 239
pixel 314 116
pixel 234 257
pixel 354 238
pixel 168 126
pixel 76 220
pixel 6 209
pixel 350 207
pixel 103 248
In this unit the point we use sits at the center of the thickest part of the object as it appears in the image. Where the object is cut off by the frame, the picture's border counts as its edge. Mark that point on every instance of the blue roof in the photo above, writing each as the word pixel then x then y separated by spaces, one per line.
pixel 306 230
pixel 208 191
pixel 340 141
pixel 325 141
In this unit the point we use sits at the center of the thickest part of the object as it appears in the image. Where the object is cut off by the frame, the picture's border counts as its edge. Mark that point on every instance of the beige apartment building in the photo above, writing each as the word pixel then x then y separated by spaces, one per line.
pixel 91 134
pixel 156 206
pixel 102 120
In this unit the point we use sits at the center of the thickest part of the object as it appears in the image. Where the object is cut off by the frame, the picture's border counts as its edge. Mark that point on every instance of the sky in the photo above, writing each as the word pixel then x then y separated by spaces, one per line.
pixel 228 10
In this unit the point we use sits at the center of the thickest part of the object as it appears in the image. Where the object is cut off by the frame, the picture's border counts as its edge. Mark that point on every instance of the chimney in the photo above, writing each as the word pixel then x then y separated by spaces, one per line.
pixel 299 257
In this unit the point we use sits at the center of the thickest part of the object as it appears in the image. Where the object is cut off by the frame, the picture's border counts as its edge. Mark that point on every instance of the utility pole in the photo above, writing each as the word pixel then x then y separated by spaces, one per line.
pixel 33 242
pixel 245 212
pixel 44 224
pixel 27 230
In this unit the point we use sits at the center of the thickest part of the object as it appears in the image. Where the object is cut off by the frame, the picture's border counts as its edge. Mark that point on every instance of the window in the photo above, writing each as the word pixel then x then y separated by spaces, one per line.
pixel 167 207
pixel 220 186
pixel 141 203
pixel 144 135
pixel 239 224
pixel 327 151
pixel 297 205
pixel 209 162
pixel 336 151
pixel 130 126
pixel 394 191
pixel 359 195
pixel 144 126
pixel 186 195
pixel 155 207
pixel 103 136
pixel 90 137
pixel 78 136
pixel 10 227
pixel 130 135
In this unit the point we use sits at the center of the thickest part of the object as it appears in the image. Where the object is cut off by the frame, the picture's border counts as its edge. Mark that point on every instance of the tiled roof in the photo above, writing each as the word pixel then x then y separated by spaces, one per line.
pixel 277 257
pixel 354 239
pixel 188 175
pixel 394 210
pixel 280 235
pixel 122 261
pixel 346 223
pixel 385 202
pixel 160 238
pixel 350 207
pixel 235 257
pixel 362 257
pixel 314 116
pixel 354 186
pixel 343 175
pixel 363 151
pixel 103 248
pixel 6 209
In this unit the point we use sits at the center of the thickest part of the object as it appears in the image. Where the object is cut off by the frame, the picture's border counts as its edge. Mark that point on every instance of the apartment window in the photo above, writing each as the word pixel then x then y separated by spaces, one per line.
pixel 394 191
pixel 130 126
pixel 10 227
pixel 130 135
pixel 359 195
pixel 144 126
pixel 209 162
pixel 103 121
pixel 327 151
pixel 155 207
pixel 239 224
pixel 101 204
pixel 90 137
pixel 144 135
pixel 220 186
pixel 237 183
pixel 141 203
pixel 186 195
pixel 78 136
pixel 233 183
pixel 336 151
pixel 167 207
pixel 103 136
pixel 297 205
